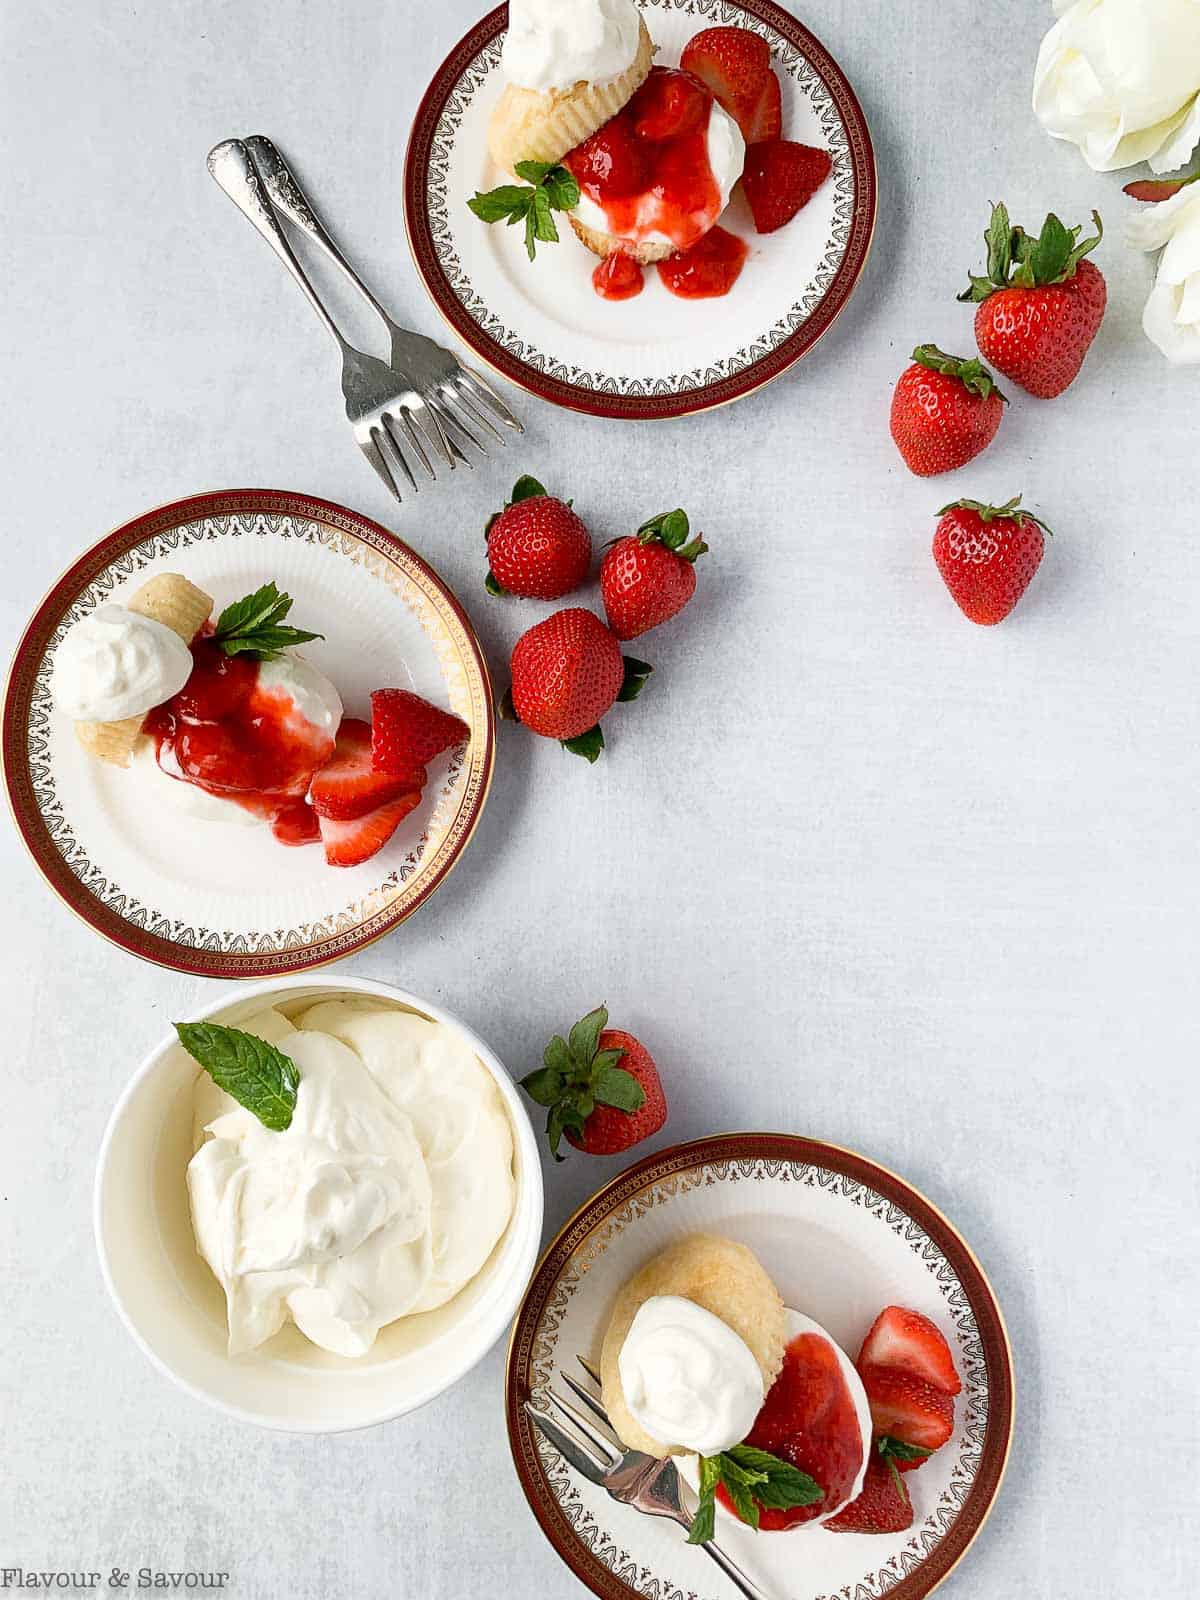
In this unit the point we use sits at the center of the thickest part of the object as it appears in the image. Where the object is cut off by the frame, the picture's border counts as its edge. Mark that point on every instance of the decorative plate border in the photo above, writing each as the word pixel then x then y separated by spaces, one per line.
pixel 48 836
pixel 989 1382
pixel 794 49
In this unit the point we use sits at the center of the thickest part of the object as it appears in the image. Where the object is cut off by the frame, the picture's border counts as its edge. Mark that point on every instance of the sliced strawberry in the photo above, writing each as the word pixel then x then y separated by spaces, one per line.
pixel 780 178
pixel 882 1507
pixel 348 786
pixel 909 1342
pixel 407 731
pixel 349 844
pixel 908 1408
pixel 735 64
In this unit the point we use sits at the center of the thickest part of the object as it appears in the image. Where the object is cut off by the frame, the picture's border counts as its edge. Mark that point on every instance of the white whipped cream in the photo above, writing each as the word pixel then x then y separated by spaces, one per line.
pixel 310 691
pixel 688 1378
pixel 555 44
pixel 384 1198
pixel 116 664
pixel 726 157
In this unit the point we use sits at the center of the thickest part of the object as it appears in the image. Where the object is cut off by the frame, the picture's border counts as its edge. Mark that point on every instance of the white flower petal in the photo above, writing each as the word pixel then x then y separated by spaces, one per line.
pixel 1182 254
pixel 1153 224
pixel 1119 78
pixel 1180 343
pixel 1177 149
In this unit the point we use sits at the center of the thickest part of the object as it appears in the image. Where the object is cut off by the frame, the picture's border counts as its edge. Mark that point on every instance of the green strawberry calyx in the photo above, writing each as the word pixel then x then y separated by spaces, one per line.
pixel 893 1450
pixel 672 529
pixel 576 1076
pixel 1009 512
pixel 972 374
pixel 1015 260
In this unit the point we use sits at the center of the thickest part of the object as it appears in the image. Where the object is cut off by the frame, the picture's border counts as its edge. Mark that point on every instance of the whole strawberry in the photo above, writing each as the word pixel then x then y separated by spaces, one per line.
pixel 600 1087
pixel 1041 303
pixel 537 546
pixel 648 577
pixel 566 673
pixel 988 555
pixel 945 411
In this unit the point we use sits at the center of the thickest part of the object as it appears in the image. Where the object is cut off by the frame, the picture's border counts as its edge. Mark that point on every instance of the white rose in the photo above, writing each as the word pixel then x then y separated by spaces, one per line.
pixel 1172 315
pixel 1121 79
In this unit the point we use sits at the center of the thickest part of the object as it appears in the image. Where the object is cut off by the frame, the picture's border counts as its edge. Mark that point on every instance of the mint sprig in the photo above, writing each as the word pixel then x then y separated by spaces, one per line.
pixel 548 188
pixel 576 1076
pixel 753 1479
pixel 256 1074
pixel 893 1450
pixel 254 626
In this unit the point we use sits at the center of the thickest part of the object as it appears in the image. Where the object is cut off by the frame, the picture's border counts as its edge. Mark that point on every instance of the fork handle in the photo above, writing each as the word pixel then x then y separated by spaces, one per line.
pixel 291 199
pixel 734 1573
pixel 233 168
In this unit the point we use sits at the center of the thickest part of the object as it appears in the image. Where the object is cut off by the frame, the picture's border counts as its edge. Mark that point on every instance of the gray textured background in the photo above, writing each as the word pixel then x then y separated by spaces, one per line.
pixel 851 867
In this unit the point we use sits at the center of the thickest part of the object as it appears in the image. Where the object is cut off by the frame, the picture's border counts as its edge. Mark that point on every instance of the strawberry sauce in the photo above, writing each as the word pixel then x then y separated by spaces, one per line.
pixel 230 737
pixel 648 169
pixel 810 1419
pixel 709 269
pixel 618 277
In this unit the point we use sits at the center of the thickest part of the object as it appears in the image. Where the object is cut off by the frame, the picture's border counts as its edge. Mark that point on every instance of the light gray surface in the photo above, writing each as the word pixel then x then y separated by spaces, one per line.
pixel 852 867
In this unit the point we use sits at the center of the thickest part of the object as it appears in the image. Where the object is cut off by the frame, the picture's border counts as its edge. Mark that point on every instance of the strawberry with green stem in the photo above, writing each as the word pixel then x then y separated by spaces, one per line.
pixel 547 188
pixel 988 555
pixel 600 1087
pixel 538 546
pixel 648 577
pixel 1040 303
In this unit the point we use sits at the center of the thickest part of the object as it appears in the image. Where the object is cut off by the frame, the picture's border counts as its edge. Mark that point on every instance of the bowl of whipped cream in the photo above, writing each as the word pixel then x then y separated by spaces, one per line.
pixel 335 1254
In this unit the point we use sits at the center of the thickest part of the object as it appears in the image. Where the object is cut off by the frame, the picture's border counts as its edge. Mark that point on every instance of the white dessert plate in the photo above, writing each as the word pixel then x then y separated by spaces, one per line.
pixel 224 899
pixel 842 1238
pixel 542 325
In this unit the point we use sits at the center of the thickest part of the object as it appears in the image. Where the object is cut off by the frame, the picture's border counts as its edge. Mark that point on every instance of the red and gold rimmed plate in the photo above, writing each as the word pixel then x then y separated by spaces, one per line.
pixel 542 325
pixel 223 899
pixel 842 1238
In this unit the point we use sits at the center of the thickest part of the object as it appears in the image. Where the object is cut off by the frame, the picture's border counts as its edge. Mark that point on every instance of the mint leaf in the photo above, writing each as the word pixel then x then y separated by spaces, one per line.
pixel 548 188
pixel 589 744
pixel 254 625
pixel 511 200
pixel 738 1487
pixel 704 1522
pixel 620 1089
pixel 899 1450
pixel 258 1076
pixel 771 1481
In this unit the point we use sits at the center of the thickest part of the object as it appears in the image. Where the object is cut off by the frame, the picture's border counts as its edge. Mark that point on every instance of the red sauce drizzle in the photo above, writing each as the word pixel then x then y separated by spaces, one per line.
pixel 618 277
pixel 242 743
pixel 810 1419
pixel 708 269
pixel 648 169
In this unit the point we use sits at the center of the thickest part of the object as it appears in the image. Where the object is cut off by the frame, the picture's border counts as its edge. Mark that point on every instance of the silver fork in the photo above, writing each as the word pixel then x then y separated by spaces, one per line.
pixel 413 408
pixel 650 1486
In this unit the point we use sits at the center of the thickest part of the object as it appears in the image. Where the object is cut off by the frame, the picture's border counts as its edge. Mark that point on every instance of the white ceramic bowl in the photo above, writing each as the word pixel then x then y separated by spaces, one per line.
pixel 174 1307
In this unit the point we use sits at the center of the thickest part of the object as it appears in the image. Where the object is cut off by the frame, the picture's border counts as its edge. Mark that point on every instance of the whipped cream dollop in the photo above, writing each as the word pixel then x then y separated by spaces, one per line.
pixel 688 1377
pixel 555 44
pixel 384 1198
pixel 726 157
pixel 312 695
pixel 117 664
